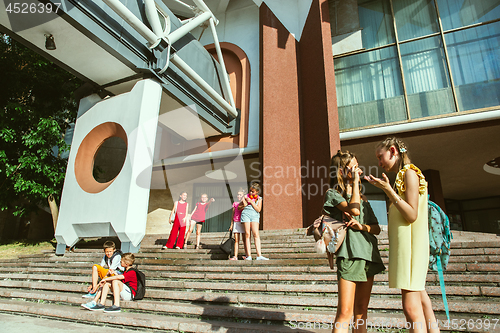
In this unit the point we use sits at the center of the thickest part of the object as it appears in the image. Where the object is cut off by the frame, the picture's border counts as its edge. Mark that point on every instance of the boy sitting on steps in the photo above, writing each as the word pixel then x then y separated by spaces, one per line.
pixel 123 286
pixel 111 260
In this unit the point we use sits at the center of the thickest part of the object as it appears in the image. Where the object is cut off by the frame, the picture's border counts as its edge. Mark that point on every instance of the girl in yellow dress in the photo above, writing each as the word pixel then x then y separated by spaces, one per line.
pixel 408 232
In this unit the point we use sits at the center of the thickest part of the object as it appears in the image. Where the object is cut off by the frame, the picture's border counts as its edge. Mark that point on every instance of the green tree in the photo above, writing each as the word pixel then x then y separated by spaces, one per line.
pixel 36 108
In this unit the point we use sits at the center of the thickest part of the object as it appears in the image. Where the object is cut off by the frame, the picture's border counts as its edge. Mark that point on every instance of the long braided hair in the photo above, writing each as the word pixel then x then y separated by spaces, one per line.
pixel 340 161
pixel 401 148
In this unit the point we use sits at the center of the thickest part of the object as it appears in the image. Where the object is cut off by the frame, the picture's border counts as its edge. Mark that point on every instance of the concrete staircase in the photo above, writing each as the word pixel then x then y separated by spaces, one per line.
pixel 200 290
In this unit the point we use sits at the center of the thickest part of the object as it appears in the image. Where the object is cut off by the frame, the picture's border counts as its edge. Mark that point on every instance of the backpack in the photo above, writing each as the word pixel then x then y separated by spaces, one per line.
pixel 439 237
pixel 439 242
pixel 141 285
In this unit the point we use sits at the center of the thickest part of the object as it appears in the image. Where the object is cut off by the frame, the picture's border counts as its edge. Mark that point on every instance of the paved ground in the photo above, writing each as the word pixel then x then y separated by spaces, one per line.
pixel 21 324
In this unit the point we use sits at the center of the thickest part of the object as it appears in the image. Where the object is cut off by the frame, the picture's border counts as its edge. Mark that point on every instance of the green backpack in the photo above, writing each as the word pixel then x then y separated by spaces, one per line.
pixel 439 241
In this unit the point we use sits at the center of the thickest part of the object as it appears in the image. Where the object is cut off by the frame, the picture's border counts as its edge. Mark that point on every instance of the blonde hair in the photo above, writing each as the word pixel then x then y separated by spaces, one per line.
pixel 400 147
pixel 129 258
pixel 339 161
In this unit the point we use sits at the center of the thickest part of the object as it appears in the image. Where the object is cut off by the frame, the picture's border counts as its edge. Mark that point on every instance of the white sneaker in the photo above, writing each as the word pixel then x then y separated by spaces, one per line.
pixel 262 258
pixel 248 258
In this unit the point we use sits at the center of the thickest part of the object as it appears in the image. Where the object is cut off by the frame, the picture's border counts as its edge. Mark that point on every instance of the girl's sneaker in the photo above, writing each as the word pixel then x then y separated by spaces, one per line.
pixel 89 305
pixel 89 295
pixel 248 258
pixel 262 258
pixel 233 258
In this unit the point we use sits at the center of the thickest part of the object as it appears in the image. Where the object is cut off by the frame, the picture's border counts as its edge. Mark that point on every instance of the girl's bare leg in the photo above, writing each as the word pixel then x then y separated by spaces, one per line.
pixel 198 234
pixel 430 318
pixel 248 249
pixel 236 244
pixel 245 246
pixel 414 313
pixel 256 237
pixel 345 307
pixel 361 301
pixel 190 230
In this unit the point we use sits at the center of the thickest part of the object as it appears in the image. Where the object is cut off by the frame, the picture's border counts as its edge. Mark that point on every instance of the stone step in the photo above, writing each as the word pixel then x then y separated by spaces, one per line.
pixel 245 308
pixel 138 320
pixel 310 277
pixel 203 290
pixel 315 266
pixel 157 287
pixel 458 255
pixel 484 285
pixel 150 322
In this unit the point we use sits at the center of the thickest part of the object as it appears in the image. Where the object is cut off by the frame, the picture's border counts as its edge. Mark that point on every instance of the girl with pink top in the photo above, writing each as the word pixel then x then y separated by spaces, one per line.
pixel 236 225
pixel 198 217
pixel 176 238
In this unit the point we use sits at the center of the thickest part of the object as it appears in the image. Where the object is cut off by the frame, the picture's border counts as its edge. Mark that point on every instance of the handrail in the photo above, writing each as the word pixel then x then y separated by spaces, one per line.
pixel 179 63
pixel 134 22
pixel 155 37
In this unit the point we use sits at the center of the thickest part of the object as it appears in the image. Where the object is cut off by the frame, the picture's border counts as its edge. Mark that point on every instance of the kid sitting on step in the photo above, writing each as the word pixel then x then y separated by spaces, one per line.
pixel 111 260
pixel 122 286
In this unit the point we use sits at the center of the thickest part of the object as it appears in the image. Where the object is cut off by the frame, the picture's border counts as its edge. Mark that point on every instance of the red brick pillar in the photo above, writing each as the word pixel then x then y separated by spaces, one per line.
pixel 280 125
pixel 299 122
pixel 434 187
pixel 319 119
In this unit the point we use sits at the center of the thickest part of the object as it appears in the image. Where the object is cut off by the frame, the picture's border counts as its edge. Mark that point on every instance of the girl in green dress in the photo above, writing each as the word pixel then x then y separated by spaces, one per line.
pixel 358 258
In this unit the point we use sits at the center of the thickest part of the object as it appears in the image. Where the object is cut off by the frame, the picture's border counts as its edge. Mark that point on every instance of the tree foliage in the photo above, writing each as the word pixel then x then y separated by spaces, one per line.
pixel 36 107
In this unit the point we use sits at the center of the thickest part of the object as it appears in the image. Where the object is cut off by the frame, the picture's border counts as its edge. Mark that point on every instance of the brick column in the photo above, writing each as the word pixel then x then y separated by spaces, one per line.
pixel 280 127
pixel 319 118
pixel 435 189
pixel 299 122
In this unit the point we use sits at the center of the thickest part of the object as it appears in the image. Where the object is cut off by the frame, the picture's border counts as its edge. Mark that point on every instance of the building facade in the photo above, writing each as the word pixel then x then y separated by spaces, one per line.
pixel 307 77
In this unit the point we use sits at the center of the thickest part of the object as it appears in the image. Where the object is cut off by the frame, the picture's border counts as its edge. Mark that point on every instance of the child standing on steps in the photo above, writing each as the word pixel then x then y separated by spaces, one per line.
pixel 176 238
pixel 122 286
pixel 236 225
pixel 250 218
pixel 408 232
pixel 111 260
pixel 198 218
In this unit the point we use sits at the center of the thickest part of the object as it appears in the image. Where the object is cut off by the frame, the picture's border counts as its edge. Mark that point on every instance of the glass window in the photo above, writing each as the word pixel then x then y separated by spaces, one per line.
pixel 369 89
pixel 415 18
pixel 426 78
pixel 376 21
pixel 474 60
pixel 459 13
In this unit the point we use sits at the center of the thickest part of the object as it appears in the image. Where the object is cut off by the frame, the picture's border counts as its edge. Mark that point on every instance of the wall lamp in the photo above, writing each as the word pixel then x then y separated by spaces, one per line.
pixel 50 44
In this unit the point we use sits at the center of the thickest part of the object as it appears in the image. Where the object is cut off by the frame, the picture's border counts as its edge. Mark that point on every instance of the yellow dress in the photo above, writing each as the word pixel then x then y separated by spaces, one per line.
pixel 409 242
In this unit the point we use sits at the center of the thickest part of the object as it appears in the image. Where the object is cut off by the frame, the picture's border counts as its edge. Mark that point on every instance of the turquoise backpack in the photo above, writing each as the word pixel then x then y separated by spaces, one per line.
pixel 439 241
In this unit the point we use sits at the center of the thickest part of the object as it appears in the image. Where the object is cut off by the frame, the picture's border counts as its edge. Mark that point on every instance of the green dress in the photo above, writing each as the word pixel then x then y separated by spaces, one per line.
pixel 358 258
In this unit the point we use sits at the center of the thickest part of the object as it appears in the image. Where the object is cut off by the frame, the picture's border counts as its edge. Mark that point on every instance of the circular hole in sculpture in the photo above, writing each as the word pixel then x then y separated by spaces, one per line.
pixel 95 152
pixel 109 159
